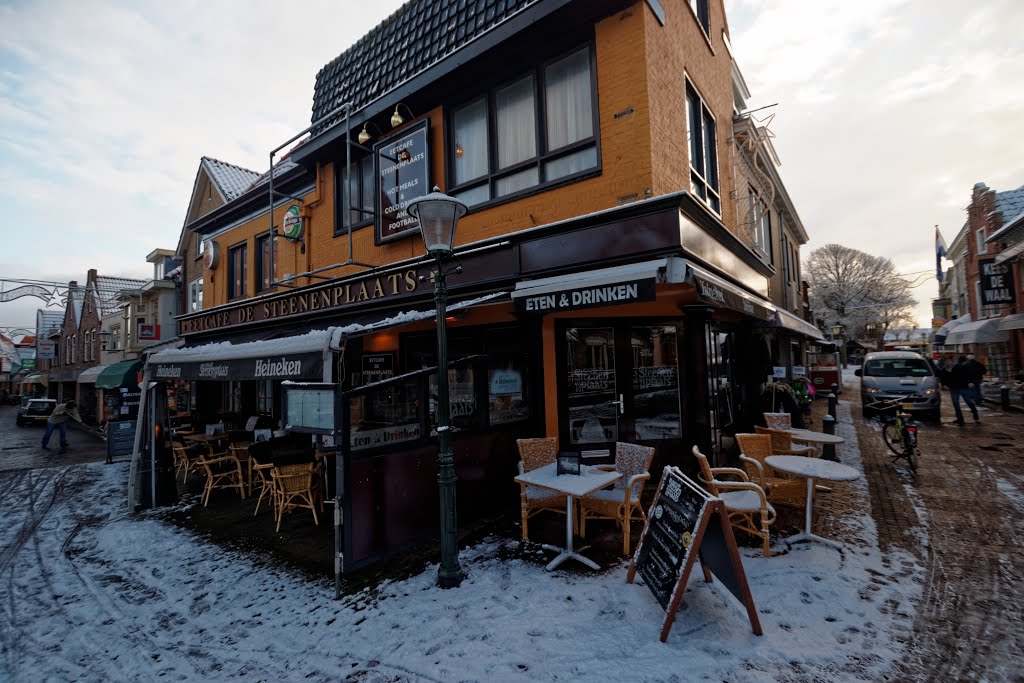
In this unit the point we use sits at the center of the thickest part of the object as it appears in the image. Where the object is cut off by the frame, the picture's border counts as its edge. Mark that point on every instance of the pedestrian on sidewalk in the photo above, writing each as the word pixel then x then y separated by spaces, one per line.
pixel 59 420
pixel 975 374
pixel 957 379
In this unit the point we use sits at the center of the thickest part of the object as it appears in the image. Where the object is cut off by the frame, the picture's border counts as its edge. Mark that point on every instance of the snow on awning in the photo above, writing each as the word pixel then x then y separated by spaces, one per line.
pixel 1012 322
pixel 943 332
pixel 979 332
pixel 89 376
pixel 1008 254
pixel 787 320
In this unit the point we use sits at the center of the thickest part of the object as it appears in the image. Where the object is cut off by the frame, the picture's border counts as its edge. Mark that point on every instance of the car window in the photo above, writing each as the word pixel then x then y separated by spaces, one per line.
pixel 897 367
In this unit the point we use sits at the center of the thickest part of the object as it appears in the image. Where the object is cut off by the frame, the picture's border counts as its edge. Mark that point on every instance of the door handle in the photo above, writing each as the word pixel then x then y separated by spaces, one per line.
pixel 621 404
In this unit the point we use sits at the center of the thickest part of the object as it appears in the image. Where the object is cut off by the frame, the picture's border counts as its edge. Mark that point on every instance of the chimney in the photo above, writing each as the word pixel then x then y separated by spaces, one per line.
pixel 91 277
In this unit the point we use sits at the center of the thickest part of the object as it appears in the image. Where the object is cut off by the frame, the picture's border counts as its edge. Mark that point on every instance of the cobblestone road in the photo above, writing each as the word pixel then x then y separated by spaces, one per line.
pixel 961 516
pixel 20 447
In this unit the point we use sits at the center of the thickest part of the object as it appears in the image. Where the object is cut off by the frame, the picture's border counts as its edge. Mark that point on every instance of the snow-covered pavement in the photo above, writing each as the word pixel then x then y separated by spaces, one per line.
pixel 93 593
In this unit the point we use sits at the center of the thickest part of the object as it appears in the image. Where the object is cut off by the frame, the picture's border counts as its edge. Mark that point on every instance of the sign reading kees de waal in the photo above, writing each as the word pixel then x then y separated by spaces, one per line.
pixel 996 282
pixel 288 366
pixel 403 168
pixel 628 292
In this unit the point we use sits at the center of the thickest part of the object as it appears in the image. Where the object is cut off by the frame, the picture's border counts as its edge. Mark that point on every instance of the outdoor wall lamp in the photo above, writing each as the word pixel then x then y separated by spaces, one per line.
pixel 396 118
pixel 105 336
pixel 364 135
pixel 438 215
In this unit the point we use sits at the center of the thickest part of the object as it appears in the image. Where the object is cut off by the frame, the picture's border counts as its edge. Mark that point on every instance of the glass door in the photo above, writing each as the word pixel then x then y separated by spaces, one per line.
pixel 594 404
pixel 654 411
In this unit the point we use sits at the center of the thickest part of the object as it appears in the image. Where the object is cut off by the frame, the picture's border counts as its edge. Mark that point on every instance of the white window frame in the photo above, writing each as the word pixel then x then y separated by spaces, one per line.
pixel 195 295
pixel 199 246
pixel 701 173
pixel 695 7
pixel 982 246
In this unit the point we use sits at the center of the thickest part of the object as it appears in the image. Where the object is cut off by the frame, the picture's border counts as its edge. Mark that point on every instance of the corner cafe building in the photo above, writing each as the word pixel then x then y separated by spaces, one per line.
pixel 645 323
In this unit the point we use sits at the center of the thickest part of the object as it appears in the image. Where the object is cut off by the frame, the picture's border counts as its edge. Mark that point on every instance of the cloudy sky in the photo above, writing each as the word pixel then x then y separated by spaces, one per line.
pixel 888 112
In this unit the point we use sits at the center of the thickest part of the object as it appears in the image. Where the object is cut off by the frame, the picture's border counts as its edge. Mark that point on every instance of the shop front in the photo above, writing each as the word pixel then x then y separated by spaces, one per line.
pixel 90 400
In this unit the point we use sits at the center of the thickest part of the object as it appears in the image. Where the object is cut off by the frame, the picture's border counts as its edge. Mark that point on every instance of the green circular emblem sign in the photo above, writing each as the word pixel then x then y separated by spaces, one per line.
pixel 291 225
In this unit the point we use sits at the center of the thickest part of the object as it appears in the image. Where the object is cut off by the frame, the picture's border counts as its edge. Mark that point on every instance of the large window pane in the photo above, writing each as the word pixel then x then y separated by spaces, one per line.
pixel 367 188
pixel 655 383
pixel 516 182
pixel 517 123
pixel 571 163
pixel 590 360
pixel 470 142
pixel 570 115
pixel 507 400
pixel 694 131
pixel 710 153
pixel 385 416
pixel 475 195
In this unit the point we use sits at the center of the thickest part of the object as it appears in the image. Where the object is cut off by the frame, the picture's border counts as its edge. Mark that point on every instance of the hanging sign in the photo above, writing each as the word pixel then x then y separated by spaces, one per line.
pixel 287 366
pixel 403 174
pixel 996 282
pixel 291 224
pixel 628 292
pixel 211 254
pixel 684 524
pixel 378 366
pixel 46 349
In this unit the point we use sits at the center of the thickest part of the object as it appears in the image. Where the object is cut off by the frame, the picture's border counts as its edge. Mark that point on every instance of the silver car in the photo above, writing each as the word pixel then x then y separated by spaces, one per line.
pixel 902 375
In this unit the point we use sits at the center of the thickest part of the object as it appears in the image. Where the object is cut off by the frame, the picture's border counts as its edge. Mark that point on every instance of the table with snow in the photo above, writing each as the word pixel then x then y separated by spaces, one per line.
pixel 811 469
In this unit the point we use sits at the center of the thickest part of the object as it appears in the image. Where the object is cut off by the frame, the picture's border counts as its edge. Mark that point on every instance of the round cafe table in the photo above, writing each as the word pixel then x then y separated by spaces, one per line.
pixel 811 469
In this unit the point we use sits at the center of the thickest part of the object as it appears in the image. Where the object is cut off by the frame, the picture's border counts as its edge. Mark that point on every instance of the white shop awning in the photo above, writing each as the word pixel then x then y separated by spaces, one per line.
pixel 940 336
pixel 1012 322
pixel 89 376
pixel 978 332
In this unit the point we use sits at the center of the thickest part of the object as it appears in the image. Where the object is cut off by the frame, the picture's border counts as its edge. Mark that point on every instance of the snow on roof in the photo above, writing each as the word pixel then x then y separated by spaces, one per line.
pixel 108 290
pixel 231 180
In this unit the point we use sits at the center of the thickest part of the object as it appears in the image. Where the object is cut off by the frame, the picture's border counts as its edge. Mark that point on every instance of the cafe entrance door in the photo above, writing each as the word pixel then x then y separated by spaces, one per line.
pixel 619 381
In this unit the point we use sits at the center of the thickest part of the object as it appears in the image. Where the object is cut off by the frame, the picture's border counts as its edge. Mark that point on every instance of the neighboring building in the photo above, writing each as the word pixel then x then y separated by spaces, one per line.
pixel 985 290
pixel 49 324
pixel 611 286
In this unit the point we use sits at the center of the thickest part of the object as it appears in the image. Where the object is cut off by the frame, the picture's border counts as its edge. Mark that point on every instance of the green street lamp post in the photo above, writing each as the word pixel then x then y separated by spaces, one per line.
pixel 438 215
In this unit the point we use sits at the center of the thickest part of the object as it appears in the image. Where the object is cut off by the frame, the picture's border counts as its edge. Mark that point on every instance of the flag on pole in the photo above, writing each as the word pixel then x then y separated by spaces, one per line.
pixel 940 251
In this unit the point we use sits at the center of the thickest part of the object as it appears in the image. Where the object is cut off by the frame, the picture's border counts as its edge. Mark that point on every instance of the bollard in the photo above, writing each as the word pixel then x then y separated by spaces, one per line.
pixel 832 405
pixel 828 426
pixel 1004 397
pixel 835 388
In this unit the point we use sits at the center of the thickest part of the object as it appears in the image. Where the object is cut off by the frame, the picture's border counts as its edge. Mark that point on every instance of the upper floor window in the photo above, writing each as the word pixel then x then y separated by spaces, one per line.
pixel 236 271
pixel 360 201
pixel 266 259
pixel 761 222
pixel 537 129
pixel 701 11
pixel 982 247
pixel 199 246
pixel 115 338
pixel 195 295
pixel 700 131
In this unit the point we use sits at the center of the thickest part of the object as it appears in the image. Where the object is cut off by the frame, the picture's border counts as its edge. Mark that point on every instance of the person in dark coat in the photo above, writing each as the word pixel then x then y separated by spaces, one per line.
pixel 957 379
pixel 975 374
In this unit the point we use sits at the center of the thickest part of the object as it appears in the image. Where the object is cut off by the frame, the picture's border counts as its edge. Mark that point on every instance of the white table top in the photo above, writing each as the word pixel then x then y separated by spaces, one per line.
pixel 589 479
pixel 815 437
pixel 814 468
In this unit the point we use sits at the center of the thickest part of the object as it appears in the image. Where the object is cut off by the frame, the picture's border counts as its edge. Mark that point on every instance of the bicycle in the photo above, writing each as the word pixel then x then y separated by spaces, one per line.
pixel 899 431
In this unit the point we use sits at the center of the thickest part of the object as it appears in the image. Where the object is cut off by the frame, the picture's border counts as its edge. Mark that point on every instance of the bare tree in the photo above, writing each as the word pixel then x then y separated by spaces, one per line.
pixel 851 288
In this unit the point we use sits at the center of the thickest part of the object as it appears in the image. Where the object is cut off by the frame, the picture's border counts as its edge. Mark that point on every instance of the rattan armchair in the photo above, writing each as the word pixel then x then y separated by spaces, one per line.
pixel 619 502
pixel 259 474
pixel 782 443
pixel 293 488
pixel 223 471
pixel 754 448
pixel 745 502
pixel 186 459
pixel 534 453
pixel 778 420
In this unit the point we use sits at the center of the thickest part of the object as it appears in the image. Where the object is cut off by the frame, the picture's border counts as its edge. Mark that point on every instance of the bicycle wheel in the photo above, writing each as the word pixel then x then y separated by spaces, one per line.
pixel 911 457
pixel 892 437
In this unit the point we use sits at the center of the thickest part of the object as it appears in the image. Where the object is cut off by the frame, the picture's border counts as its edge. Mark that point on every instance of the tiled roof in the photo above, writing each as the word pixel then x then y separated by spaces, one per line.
pixel 1010 203
pixel 280 167
pixel 47 322
pixel 231 180
pixel 108 288
pixel 417 35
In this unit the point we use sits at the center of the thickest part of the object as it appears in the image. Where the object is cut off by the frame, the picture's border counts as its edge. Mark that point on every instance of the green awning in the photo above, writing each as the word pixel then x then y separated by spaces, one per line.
pixel 123 374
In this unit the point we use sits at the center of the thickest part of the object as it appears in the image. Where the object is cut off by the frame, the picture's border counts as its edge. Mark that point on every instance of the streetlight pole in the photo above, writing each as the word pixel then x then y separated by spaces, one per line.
pixel 438 215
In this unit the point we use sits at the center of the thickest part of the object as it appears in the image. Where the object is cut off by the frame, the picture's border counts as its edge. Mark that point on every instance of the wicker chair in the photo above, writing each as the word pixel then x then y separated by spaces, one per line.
pixel 186 459
pixel 260 472
pixel 778 420
pixel 620 501
pixel 754 448
pixel 782 443
pixel 223 471
pixel 240 449
pixel 534 453
pixel 293 488
pixel 745 501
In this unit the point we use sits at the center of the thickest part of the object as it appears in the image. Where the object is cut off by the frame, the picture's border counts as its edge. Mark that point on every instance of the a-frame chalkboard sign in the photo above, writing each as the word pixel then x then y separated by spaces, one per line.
pixel 686 523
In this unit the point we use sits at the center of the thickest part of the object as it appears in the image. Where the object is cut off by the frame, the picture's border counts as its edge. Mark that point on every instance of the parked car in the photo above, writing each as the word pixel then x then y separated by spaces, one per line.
pixel 35 411
pixel 902 375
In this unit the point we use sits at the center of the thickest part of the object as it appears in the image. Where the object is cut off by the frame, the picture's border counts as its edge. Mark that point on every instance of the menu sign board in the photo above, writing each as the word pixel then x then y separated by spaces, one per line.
pixel 686 523
pixel 996 282
pixel 120 439
pixel 403 174
pixel 377 367
pixel 309 407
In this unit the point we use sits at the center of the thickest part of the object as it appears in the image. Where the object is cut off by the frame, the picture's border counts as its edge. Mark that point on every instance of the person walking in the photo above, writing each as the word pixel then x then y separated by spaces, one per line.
pixel 59 420
pixel 956 379
pixel 975 374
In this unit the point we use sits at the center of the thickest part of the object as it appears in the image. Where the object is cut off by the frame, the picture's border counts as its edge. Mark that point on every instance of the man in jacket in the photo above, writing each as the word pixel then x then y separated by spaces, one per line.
pixel 957 379
pixel 59 420
pixel 975 374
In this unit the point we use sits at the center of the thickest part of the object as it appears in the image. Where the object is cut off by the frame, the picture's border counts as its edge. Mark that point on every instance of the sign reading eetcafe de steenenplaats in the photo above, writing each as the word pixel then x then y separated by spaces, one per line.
pixel 996 282
pixel 614 294
pixel 685 524
pixel 328 297
pixel 403 174
pixel 307 366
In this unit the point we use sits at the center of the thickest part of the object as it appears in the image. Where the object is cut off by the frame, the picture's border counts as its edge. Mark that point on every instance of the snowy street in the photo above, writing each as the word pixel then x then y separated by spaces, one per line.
pixel 92 593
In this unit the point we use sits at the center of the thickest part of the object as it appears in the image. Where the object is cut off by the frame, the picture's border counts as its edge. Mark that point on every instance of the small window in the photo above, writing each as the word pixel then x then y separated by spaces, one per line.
pixel 236 272
pixel 195 295
pixel 703 14
pixel 265 396
pixel 760 222
pixel 362 186
pixel 703 146
pixel 200 243
pixel 265 260
pixel 982 247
